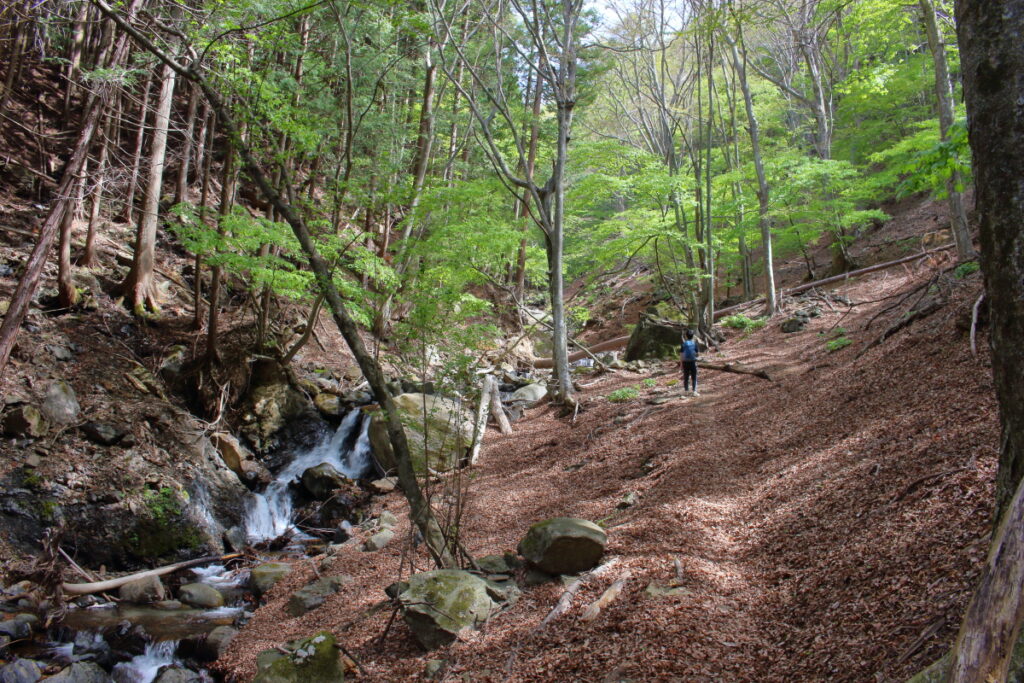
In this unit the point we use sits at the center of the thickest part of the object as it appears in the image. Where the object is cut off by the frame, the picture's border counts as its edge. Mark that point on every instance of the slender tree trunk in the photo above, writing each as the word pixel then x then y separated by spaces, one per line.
pixel 75 58
pixel 227 198
pixel 140 137
pixel 762 183
pixel 67 295
pixel 140 286
pixel 88 259
pixel 181 188
pixel 944 95
pixel 209 128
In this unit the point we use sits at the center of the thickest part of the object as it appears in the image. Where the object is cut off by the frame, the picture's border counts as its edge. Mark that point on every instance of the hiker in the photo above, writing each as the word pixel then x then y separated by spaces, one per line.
pixel 688 361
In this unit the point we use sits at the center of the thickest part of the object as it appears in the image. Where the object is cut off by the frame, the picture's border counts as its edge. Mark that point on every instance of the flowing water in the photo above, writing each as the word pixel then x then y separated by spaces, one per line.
pixel 145 667
pixel 269 514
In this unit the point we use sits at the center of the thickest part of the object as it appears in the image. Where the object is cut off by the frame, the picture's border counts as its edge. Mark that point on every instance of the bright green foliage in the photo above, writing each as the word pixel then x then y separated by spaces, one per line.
pixel 623 395
pixel 742 322
pixel 838 343
pixel 966 269
pixel 650 383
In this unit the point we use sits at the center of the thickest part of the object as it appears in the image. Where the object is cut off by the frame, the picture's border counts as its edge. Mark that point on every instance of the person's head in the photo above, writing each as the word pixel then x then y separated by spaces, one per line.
pixel 689 334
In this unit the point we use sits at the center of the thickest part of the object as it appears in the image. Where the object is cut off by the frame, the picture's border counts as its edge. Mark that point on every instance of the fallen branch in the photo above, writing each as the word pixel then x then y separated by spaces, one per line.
pixel 613 591
pixel 112 584
pixel 735 368
pixel 496 408
pixel 974 324
pixel 609 345
pixel 565 600
pixel 906 321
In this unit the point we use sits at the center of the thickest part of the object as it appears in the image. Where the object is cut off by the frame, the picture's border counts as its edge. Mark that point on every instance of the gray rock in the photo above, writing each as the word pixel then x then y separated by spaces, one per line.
pixel 535 577
pixel 654 338
pixel 321 481
pixel 201 595
pixel 82 672
pixel 61 353
pixel 435 669
pixel 387 520
pixel 312 596
pixel 236 539
pixel 564 545
pixel 240 460
pixel 329 405
pixel 263 577
pixel 439 433
pixel 628 500
pixel 385 485
pixel 25 420
pixel 5 640
pixel 310 659
pixel 209 647
pixel 437 605
pixel 177 674
pixel 379 540
pixel 168 605
pixel 794 324
pixel 529 395
pixel 15 629
pixel 60 405
pixel 21 671
pixel 103 434
pixel 141 591
pixel 494 564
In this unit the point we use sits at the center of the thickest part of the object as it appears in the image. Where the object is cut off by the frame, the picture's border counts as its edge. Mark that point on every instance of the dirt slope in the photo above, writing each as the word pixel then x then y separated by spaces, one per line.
pixel 829 525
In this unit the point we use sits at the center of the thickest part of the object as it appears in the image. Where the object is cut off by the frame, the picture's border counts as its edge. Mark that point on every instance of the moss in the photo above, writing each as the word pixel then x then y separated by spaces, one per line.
pixel 48 510
pixel 163 530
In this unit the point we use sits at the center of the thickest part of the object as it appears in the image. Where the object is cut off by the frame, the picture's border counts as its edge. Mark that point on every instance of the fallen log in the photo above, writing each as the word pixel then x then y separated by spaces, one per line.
pixel 113 584
pixel 735 368
pixel 496 408
pixel 609 345
pixel 563 602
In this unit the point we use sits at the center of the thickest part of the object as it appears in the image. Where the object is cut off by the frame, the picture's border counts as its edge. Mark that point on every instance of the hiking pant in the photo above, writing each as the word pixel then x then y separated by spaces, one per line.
pixel 689 370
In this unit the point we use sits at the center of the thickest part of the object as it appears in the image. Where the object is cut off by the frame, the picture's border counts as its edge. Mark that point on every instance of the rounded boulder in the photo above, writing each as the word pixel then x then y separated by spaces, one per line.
pixel 564 545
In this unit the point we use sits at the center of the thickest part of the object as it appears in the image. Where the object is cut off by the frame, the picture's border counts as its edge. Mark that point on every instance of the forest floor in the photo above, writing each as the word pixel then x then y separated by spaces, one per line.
pixel 828 524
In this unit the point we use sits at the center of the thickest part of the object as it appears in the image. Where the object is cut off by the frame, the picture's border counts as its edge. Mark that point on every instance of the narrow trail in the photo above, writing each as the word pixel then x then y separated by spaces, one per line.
pixel 826 526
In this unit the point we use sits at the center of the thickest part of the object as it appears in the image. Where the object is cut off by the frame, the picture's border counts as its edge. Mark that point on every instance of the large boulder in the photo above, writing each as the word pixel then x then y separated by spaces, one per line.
pixel 25 420
pixel 82 672
pixel 143 591
pixel 437 605
pixel 200 595
pixel 263 577
pixel 309 659
pixel 654 339
pixel 271 404
pixel 322 480
pixel 564 545
pixel 21 671
pixel 438 430
pixel 529 395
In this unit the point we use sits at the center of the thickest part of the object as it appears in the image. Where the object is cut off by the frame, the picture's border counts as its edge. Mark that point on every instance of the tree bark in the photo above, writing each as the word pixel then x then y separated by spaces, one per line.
pixel 139 286
pixel 181 188
pixel 88 259
pixel 140 137
pixel 944 95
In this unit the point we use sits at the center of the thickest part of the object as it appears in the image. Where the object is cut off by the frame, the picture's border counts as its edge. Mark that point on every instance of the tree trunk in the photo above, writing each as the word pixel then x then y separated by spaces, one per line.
pixel 764 221
pixel 67 295
pixel 140 136
pixel 181 188
pixel 944 95
pixel 140 287
pixel 88 259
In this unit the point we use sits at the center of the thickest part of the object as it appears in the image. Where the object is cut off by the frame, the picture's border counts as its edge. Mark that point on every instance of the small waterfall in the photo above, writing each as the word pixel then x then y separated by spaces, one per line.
pixel 269 514
pixel 145 667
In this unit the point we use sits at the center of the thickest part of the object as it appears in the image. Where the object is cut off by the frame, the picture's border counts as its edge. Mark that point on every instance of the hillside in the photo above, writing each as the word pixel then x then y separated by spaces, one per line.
pixel 827 525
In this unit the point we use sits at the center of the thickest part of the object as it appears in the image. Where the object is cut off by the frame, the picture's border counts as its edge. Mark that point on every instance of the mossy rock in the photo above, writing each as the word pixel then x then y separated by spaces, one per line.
pixel 263 577
pixel 564 545
pixel 654 339
pixel 437 605
pixel 309 659
pixel 438 430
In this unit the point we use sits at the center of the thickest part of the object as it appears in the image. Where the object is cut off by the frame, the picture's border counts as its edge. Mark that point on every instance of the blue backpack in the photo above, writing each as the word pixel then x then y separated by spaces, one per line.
pixel 689 349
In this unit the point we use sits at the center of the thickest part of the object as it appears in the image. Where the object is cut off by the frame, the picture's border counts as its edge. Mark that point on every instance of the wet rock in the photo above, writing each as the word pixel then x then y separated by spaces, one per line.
pixel 178 674
pixel 235 539
pixel 201 595
pixel 168 605
pixel 564 545
pixel 329 405
pixel 102 434
pixel 60 404
pixel 15 629
pixel 439 433
pixel 263 577
pixel 385 485
pixel 21 671
pixel 321 481
pixel 309 659
pixel 240 460
pixel 437 605
pixel 82 672
pixel 5 640
pixel 378 540
pixel 312 596
pixel 271 404
pixel 142 591
pixel 25 420
pixel 210 647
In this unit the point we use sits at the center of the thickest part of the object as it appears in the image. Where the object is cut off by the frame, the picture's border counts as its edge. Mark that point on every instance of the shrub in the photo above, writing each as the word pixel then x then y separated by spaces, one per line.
pixel 838 343
pixel 742 322
pixel 623 395
pixel 650 383
pixel 966 268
